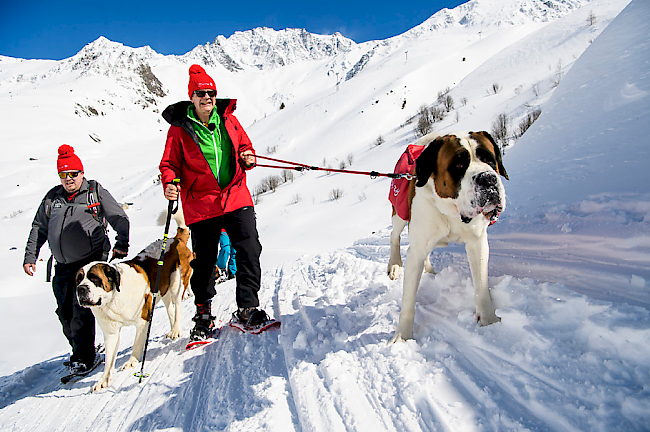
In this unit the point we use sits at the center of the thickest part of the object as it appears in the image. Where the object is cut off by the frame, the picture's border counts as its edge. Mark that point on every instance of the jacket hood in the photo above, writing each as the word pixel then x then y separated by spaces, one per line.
pixel 175 114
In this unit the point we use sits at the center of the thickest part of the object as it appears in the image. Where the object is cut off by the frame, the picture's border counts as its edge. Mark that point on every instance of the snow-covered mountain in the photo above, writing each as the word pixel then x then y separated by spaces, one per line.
pixel 265 48
pixel 498 13
pixel 570 257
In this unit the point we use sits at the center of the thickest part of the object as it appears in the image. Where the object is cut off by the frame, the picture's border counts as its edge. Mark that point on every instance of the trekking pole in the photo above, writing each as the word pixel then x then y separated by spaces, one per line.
pixel 154 292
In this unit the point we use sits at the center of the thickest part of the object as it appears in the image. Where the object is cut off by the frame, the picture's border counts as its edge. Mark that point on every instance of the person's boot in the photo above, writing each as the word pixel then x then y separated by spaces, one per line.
pixel 251 317
pixel 204 322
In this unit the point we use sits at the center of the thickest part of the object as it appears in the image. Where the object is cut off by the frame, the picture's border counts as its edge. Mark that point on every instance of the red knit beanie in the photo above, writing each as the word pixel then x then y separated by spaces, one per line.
pixel 67 160
pixel 199 80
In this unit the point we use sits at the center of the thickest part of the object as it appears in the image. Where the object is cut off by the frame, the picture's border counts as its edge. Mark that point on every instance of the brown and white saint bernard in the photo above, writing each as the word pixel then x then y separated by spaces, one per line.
pixel 119 295
pixel 457 194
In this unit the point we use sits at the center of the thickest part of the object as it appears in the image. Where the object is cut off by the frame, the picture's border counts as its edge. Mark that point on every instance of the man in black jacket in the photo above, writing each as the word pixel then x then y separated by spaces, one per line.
pixel 71 218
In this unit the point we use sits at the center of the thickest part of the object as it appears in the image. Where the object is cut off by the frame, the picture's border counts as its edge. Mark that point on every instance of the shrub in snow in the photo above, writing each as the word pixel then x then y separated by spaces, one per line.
pixel 424 124
pixel 336 194
pixel 437 114
pixel 448 103
pixel 591 18
pixel 496 88
pixel 555 81
pixel 500 131
pixel 269 183
pixel 442 95
pixel 287 176
pixel 527 122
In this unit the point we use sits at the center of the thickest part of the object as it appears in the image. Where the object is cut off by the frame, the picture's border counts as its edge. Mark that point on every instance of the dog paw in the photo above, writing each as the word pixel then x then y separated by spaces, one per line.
pixel 486 319
pixel 397 337
pixel 103 383
pixel 131 363
pixel 395 271
pixel 173 334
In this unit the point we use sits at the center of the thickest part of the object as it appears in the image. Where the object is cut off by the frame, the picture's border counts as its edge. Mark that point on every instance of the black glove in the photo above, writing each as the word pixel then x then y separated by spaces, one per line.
pixel 118 254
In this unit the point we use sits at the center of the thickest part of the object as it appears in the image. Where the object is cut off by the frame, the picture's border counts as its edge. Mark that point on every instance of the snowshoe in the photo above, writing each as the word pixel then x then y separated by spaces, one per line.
pixel 197 341
pixel 204 325
pixel 252 320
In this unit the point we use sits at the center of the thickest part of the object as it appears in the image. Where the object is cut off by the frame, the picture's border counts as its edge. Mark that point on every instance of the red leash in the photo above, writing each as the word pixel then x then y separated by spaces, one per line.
pixel 494 215
pixel 302 167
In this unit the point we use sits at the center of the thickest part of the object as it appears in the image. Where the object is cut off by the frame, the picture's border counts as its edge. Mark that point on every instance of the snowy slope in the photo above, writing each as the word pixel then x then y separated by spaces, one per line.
pixel 569 266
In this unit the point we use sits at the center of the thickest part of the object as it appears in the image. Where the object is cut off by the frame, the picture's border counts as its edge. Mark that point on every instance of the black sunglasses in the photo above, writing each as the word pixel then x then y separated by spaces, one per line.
pixel 201 93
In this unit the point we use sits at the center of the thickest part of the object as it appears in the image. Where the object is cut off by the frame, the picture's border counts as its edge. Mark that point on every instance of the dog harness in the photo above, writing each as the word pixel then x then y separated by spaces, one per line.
pixel 398 195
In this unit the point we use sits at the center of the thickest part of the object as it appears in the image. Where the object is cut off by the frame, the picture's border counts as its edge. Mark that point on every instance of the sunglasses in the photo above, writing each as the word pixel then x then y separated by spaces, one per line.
pixel 201 93
pixel 72 174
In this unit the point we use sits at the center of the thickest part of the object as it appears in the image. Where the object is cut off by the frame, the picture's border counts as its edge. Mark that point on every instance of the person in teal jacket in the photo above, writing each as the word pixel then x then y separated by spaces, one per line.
pixel 226 258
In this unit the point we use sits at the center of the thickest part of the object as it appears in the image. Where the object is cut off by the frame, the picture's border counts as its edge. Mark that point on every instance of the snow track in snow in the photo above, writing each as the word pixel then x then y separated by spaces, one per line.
pixel 557 361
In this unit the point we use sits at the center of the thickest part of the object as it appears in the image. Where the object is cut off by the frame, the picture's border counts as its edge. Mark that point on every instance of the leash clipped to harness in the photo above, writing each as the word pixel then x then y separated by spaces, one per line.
pixel 302 167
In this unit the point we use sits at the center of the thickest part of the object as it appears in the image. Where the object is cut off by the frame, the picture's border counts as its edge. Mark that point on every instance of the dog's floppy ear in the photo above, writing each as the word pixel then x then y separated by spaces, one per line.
pixel 497 153
pixel 79 276
pixel 112 275
pixel 426 164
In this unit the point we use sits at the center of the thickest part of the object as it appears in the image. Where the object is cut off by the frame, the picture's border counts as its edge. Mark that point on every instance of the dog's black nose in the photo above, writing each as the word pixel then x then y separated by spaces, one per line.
pixel 485 179
pixel 82 290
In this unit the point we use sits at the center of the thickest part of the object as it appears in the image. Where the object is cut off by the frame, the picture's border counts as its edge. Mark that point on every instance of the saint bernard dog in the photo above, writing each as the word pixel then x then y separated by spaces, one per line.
pixel 119 295
pixel 456 194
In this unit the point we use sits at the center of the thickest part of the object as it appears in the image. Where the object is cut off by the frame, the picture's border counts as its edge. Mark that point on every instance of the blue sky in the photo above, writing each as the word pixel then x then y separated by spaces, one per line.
pixel 59 29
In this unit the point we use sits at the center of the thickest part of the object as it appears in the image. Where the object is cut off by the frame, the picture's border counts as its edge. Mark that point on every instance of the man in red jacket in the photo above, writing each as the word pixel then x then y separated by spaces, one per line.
pixel 209 151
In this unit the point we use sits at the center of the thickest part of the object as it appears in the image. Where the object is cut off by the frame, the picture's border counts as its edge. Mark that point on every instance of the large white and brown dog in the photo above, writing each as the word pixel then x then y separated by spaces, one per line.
pixel 119 295
pixel 457 193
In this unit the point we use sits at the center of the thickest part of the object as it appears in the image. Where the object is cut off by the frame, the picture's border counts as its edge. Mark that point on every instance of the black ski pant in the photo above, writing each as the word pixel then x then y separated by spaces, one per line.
pixel 78 322
pixel 241 226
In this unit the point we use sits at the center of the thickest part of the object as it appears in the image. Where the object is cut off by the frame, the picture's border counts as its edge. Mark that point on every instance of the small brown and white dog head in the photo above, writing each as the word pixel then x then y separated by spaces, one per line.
pixel 464 170
pixel 97 283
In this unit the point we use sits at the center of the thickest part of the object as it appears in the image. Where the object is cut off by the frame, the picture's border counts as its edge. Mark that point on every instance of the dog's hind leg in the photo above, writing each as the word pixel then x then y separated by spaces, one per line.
pixel 395 260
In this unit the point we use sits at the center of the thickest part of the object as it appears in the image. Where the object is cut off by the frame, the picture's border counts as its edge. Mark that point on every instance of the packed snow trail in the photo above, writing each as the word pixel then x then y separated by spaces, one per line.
pixel 237 380
pixel 557 361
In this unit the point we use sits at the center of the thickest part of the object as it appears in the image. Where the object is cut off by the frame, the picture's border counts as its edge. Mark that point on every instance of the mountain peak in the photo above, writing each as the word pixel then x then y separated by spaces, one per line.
pixel 265 48
pixel 498 12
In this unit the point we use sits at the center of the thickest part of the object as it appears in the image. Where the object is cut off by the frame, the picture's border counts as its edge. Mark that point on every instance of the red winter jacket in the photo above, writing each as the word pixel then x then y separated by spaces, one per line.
pixel 201 196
